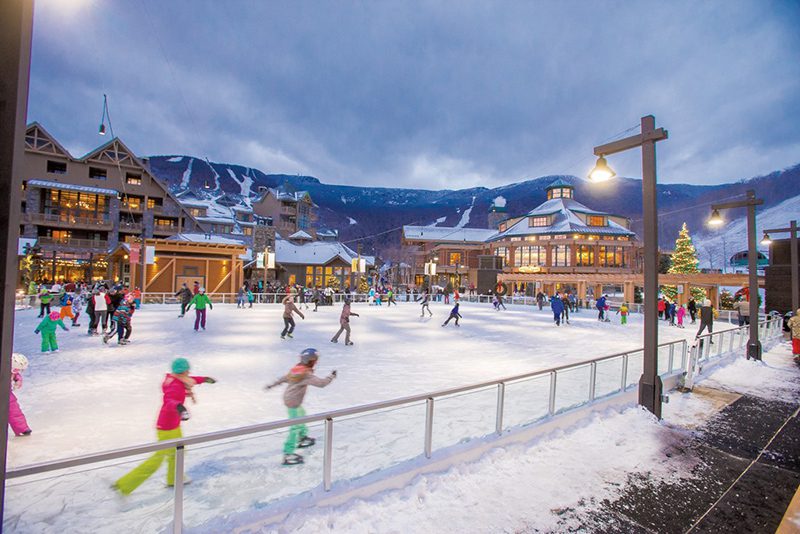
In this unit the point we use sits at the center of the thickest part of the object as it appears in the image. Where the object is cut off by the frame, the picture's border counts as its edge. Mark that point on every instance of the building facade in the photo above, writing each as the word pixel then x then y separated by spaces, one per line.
pixel 78 209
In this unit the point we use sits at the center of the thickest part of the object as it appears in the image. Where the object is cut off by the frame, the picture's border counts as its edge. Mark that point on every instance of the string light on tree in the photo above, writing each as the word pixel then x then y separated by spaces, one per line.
pixel 684 261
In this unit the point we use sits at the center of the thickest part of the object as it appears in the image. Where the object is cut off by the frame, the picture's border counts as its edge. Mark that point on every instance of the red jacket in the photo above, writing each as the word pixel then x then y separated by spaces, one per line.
pixel 174 394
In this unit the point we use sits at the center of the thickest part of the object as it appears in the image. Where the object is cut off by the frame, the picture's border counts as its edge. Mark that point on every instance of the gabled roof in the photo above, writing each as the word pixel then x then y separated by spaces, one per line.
pixel 314 253
pixel 300 234
pixel 564 221
pixel 206 238
pixel 38 139
pixel 560 182
pixel 447 235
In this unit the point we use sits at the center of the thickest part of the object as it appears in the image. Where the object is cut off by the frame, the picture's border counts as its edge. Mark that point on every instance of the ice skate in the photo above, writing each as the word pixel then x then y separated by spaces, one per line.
pixel 292 459
pixel 186 480
pixel 289 334
pixel 105 338
pixel 334 340
pixel 349 343
pixel 306 442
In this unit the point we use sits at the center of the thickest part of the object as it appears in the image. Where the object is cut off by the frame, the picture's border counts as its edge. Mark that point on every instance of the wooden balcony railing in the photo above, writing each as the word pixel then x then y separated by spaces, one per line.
pixel 165 229
pixel 94 245
pixel 130 227
pixel 68 219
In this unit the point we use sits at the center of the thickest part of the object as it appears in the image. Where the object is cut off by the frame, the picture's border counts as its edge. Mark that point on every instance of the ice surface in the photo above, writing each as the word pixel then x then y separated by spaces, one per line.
pixel 90 397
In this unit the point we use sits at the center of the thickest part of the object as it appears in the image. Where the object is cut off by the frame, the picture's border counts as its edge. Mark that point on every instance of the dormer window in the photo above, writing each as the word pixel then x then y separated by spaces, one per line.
pixel 596 220
pixel 538 221
pixel 559 192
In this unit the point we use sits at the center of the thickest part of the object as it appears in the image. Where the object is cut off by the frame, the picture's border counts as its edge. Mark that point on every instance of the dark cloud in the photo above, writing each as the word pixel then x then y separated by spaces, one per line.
pixel 426 94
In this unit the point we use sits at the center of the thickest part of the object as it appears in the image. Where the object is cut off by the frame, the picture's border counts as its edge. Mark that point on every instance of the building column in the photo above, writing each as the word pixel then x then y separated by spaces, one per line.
pixel 628 292
pixel 683 296
pixel 598 291
pixel 713 295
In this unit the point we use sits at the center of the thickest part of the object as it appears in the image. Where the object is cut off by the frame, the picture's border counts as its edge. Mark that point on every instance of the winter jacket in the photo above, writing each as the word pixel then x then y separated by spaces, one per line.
pixel 743 307
pixel 250 297
pixel 662 305
pixel 681 313
pixel 425 299
pixel 174 394
pixel 623 310
pixel 692 306
pixel 101 302
pixel 115 301
pixel 794 325
pixel 16 379
pixel 289 307
pixel 90 305
pixel 706 315
pixel 299 378
pixel 454 312
pixel 48 326
pixel 185 294
pixel 344 318
pixel 123 314
pixel 45 297
pixel 557 305
pixel 200 301
pixel 601 303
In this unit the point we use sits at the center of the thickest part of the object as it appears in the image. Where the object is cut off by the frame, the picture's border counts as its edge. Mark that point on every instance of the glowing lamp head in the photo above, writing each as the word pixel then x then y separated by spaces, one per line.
pixel 601 172
pixel 102 129
pixel 766 240
pixel 715 219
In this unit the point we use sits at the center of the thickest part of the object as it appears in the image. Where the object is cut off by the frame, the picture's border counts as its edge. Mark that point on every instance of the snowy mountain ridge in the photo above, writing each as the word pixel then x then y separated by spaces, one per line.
pixel 384 210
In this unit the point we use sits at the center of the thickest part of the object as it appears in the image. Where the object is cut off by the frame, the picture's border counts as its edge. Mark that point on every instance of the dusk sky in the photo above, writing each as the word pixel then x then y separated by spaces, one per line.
pixel 426 94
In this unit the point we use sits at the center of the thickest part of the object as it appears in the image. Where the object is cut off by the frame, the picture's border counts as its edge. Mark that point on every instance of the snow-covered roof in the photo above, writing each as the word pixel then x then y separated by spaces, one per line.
pixel 560 182
pixel 315 253
pixel 206 238
pixel 71 187
pixel 221 220
pixel 565 220
pixel 300 234
pixel 444 234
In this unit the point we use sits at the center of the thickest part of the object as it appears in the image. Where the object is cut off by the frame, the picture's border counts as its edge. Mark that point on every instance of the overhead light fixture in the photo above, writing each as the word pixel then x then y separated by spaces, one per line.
pixel 601 171
pixel 715 219
pixel 766 240
pixel 102 129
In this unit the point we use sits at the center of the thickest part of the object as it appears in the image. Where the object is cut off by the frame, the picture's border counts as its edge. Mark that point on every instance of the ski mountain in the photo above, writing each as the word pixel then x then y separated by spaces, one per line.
pixel 378 213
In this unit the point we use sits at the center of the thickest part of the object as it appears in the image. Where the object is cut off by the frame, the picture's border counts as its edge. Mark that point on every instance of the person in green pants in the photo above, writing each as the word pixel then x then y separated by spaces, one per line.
pixel 299 378
pixel 176 386
pixel 48 329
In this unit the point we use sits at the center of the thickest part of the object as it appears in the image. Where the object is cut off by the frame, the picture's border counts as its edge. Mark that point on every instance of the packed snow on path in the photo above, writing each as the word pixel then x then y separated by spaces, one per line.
pixel 91 397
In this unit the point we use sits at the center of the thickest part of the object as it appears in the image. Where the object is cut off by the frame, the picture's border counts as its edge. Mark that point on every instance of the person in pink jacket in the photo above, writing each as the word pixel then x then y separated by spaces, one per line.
pixel 680 314
pixel 15 416
pixel 177 386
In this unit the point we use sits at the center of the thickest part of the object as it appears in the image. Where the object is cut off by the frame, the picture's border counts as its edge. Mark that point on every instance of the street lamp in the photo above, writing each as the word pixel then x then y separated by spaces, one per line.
pixel 753 344
pixel 650 386
pixel 792 230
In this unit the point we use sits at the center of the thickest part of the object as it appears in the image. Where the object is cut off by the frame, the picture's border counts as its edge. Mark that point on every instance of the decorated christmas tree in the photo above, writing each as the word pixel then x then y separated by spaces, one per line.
pixel 363 286
pixel 333 283
pixel 725 300
pixel 684 261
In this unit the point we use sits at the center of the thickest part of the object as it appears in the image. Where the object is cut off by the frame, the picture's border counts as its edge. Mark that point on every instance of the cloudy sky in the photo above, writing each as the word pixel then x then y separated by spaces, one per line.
pixel 426 94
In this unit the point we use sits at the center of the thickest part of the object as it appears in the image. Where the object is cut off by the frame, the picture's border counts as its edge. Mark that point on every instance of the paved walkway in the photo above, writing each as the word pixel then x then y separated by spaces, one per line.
pixel 734 486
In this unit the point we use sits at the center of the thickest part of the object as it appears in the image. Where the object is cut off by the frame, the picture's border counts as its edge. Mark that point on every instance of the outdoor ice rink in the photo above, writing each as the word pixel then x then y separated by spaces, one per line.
pixel 91 397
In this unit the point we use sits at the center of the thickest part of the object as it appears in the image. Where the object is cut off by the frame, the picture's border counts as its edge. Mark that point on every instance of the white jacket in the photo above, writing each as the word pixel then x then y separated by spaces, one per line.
pixel 100 303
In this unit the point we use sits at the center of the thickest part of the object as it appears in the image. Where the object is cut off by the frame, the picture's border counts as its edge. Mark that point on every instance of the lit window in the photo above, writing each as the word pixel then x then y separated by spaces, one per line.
pixel 596 220
pixel 133 179
pixel 538 221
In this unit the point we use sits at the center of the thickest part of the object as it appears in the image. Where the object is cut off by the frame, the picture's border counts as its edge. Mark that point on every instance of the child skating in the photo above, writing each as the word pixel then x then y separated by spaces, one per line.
pixel 299 378
pixel 48 329
pixel 176 386
pixel 426 301
pixel 15 416
pixel 453 315
pixel 344 323
pixel 288 320
pixel 200 301
pixel 68 311
pixel 623 313
pixel 680 314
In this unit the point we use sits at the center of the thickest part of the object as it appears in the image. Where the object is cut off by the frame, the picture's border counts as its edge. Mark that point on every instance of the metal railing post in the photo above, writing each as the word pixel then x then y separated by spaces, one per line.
pixel 501 394
pixel 551 408
pixel 624 382
pixel 428 427
pixel 671 357
pixel 327 460
pixel 684 353
pixel 177 516
pixel 720 342
pixel 592 380
pixel 730 342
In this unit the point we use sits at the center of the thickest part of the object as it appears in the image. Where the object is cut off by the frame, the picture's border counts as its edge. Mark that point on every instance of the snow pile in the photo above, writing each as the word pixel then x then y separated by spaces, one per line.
pixel 352 220
pixel 465 216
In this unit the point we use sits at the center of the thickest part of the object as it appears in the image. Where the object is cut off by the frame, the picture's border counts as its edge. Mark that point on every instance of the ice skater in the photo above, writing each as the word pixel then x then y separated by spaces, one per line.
pixel 623 313
pixel 48 329
pixel 707 314
pixel 299 378
pixel 557 306
pixel 680 314
pixel 185 295
pixel 453 315
pixel 426 300
pixel 344 323
pixel 498 302
pixel 45 297
pixel 15 416
pixel 601 308
pixel 288 320
pixel 200 301
pixel 176 386
pixel 122 319
pixel 67 311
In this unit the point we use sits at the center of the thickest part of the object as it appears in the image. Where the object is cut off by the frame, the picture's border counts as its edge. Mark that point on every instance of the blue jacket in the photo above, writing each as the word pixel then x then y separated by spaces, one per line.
pixel 601 303
pixel 557 304
pixel 454 311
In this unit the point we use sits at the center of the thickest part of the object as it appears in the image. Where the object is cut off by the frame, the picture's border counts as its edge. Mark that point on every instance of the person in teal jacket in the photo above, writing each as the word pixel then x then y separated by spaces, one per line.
pixel 48 330
pixel 200 301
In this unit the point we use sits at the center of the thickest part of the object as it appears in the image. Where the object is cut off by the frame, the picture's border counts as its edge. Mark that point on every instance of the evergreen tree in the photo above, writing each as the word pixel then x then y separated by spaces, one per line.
pixel 684 261
pixel 725 300
pixel 333 283
pixel 363 286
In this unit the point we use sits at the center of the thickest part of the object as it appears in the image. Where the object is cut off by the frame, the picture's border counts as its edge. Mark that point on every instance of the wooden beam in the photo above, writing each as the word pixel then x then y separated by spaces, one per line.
pixel 169 264
pixel 630 142
pixel 223 281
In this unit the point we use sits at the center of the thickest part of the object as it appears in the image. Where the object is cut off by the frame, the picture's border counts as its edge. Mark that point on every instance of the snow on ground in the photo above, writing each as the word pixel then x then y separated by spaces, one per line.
pixel 352 220
pixel 90 397
pixel 524 488
pixel 465 216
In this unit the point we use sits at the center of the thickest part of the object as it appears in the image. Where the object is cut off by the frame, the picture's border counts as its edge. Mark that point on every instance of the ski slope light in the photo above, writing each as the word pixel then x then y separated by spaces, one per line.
pixel 601 171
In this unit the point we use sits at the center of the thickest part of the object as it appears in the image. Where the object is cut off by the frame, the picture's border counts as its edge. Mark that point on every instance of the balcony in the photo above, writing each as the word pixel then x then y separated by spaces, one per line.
pixel 82 245
pixel 288 210
pixel 165 229
pixel 132 208
pixel 131 227
pixel 68 220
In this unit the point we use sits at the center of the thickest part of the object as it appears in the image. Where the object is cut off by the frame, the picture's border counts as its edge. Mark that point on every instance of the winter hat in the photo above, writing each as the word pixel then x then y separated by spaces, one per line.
pixel 19 361
pixel 180 365
pixel 202 290
pixel 55 316
pixel 309 356
pixel 706 302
